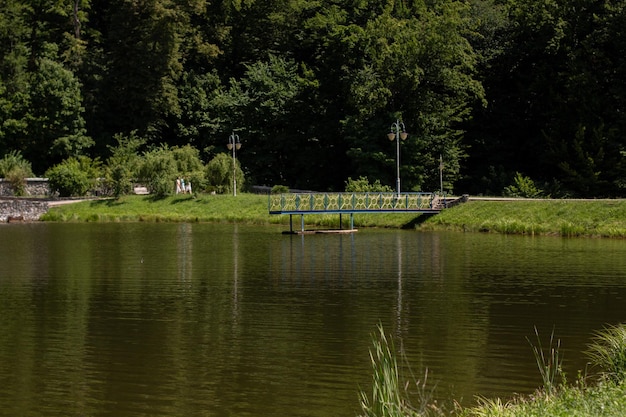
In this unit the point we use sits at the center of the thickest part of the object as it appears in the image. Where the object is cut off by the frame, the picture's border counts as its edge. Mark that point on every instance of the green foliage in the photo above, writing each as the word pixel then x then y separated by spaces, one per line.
pixel 389 393
pixel 55 117
pixel 362 185
pixel 189 165
pixel 280 189
pixel 123 165
pixel 14 161
pixel 533 87
pixel 603 400
pixel 15 169
pixel 73 177
pixel 549 362
pixel 158 171
pixel 219 173
pixel 608 352
pixel 524 187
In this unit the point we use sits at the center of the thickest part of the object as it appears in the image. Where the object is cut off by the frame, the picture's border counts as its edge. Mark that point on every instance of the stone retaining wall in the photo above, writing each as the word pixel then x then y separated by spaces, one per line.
pixel 34 187
pixel 19 209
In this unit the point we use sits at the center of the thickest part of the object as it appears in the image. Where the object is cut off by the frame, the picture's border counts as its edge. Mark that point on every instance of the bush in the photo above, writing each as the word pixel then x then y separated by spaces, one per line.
pixel 158 171
pixel 190 166
pixel 362 185
pixel 280 189
pixel 72 177
pixel 123 164
pixel 15 169
pixel 219 174
pixel 522 187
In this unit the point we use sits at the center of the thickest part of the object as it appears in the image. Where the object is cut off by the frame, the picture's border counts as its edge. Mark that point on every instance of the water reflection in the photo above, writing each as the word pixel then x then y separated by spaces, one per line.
pixel 193 319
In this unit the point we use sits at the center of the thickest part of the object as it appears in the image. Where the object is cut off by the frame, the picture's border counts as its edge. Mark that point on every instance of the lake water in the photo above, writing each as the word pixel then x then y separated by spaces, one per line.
pixel 231 320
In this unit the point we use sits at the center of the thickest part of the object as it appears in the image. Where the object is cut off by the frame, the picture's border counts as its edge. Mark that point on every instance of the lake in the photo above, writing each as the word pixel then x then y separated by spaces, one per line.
pixel 133 319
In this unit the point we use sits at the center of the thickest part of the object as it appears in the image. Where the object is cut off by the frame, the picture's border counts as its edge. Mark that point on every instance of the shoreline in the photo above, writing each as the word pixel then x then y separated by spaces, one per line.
pixel 604 218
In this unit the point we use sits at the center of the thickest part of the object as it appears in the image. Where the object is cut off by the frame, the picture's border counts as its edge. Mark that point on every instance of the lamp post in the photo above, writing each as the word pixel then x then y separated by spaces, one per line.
pixel 397 132
pixel 234 145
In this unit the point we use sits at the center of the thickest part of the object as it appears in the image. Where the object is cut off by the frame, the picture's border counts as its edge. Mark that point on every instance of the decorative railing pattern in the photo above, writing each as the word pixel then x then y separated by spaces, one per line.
pixel 293 203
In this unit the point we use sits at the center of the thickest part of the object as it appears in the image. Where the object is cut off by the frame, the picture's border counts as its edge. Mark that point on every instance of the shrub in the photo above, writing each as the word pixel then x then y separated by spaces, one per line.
pixel 362 185
pixel 15 169
pixel 280 189
pixel 158 171
pixel 72 177
pixel 522 187
pixel 219 173
pixel 190 166
pixel 123 164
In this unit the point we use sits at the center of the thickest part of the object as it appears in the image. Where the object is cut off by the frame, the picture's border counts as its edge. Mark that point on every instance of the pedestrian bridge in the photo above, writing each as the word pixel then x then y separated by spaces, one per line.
pixel 351 203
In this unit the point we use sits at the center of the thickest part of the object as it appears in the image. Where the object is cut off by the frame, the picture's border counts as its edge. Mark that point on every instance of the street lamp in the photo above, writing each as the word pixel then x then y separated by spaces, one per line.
pixel 397 132
pixel 234 145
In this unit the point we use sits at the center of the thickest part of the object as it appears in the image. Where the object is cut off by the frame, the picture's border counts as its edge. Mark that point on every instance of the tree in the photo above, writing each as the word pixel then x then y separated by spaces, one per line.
pixel 189 165
pixel 415 65
pixel 219 173
pixel 55 120
pixel 123 165
pixel 159 171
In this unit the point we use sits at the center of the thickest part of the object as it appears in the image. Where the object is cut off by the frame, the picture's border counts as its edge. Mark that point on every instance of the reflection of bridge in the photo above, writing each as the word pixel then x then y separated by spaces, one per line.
pixel 351 203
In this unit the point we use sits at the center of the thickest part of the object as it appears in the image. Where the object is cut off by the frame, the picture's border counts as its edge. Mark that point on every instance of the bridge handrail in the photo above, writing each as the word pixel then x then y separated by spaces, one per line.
pixel 349 202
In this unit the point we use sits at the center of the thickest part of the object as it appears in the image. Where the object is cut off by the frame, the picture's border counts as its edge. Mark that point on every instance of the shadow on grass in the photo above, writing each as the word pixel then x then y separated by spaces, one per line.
pixel 417 221
pixel 154 198
pixel 108 202
pixel 179 200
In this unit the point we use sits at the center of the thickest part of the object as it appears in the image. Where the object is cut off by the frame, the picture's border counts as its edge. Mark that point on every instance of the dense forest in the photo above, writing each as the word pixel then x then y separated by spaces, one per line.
pixel 507 93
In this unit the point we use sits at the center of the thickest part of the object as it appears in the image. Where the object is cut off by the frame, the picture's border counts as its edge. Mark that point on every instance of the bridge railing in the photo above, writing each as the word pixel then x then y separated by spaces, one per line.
pixel 350 202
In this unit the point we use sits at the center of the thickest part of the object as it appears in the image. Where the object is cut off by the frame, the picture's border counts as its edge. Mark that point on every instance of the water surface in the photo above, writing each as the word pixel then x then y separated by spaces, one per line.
pixel 230 320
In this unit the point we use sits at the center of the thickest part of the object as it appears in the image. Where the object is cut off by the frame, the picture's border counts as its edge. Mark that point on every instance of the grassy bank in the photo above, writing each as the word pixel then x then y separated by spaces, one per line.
pixel 601 218
pixel 602 396
pixel 245 208
pixel 605 218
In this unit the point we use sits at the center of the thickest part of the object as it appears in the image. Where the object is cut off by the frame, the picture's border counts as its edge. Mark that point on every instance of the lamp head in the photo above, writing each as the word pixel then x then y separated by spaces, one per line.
pixel 391 135
pixel 403 135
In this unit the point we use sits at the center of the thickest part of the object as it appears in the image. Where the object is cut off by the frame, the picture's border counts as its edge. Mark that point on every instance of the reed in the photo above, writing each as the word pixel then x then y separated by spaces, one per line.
pixel 549 363
pixel 608 352
pixel 390 395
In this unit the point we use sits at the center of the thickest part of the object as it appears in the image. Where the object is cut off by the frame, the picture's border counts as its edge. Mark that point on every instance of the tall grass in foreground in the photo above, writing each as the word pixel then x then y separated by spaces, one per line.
pixel 607 398
pixel 550 363
pixel 608 352
pixel 390 396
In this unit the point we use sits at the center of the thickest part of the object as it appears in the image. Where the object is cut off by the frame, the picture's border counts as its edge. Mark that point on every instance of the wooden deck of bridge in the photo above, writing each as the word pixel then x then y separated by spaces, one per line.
pixel 351 204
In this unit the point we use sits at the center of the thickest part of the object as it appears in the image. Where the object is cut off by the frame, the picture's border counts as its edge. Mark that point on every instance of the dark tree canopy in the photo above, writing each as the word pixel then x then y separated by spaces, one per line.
pixel 496 89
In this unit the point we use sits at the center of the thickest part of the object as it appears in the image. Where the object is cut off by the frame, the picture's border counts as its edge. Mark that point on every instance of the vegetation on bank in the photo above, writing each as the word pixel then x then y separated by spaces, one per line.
pixel 591 218
pixel 570 218
pixel 604 395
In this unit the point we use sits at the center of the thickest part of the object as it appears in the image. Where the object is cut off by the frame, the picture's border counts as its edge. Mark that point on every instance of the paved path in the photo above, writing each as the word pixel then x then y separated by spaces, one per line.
pixel 54 203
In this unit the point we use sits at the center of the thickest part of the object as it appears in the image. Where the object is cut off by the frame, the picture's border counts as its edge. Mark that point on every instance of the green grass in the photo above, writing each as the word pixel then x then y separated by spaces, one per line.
pixel 245 208
pixel 591 218
pixel 248 208
pixel 605 399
